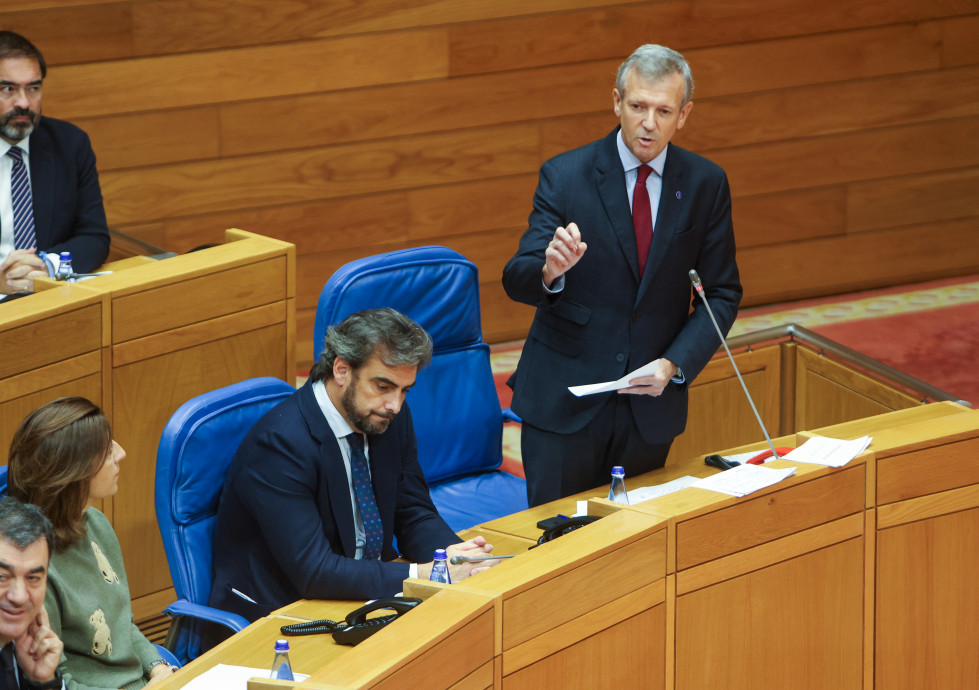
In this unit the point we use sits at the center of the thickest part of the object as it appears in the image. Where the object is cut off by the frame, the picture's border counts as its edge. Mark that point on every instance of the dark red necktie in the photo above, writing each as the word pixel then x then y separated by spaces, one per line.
pixel 642 218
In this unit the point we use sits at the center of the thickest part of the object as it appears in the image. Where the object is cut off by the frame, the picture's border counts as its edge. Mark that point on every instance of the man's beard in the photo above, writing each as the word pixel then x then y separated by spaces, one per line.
pixel 18 132
pixel 362 421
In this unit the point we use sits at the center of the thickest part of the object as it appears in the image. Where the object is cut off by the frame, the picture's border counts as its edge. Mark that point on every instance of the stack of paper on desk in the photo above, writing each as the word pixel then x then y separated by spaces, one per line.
pixel 833 452
pixel 646 493
pixel 744 479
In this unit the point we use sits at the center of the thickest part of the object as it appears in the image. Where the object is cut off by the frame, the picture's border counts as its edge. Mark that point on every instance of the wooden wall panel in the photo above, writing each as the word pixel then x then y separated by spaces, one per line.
pixel 832 109
pixel 613 32
pixel 72 31
pixel 146 139
pixel 857 156
pixel 907 254
pixel 478 101
pixel 849 131
pixel 303 176
pixel 204 24
pixel 917 199
pixel 184 80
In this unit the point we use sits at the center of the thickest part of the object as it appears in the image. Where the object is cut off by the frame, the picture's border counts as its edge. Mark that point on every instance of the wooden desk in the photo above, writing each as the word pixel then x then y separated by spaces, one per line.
pixel 140 343
pixel 568 607
pixel 852 577
pixel 51 345
pixel 927 618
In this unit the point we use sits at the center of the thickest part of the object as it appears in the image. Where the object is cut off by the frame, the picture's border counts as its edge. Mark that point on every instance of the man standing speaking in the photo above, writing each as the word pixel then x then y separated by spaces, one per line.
pixel 616 227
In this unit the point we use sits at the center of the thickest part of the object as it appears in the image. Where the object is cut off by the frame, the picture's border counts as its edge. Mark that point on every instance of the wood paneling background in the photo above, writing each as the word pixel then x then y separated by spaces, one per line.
pixel 850 131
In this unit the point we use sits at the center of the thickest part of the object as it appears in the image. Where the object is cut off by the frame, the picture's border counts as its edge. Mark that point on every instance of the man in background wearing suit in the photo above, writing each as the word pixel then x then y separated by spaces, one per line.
pixel 30 652
pixel 616 226
pixel 50 199
pixel 324 482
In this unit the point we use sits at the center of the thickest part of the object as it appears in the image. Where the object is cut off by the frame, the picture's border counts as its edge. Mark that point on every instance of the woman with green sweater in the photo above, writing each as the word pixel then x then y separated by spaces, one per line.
pixel 63 459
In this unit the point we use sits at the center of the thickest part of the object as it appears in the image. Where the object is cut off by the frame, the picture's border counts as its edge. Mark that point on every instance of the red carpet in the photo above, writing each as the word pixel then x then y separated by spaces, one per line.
pixel 937 346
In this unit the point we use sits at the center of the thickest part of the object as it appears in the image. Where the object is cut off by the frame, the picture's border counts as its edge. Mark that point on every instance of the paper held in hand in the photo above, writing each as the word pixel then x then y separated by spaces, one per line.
pixel 592 388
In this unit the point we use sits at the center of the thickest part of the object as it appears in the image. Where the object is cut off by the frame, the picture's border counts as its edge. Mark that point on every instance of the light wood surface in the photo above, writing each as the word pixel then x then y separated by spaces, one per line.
pixel 51 345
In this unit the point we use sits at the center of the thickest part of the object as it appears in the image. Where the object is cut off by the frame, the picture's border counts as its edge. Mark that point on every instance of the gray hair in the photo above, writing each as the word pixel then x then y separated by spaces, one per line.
pixel 395 338
pixel 654 62
pixel 22 524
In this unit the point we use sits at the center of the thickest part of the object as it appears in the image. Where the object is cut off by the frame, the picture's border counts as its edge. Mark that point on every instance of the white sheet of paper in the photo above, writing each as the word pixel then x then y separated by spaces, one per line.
pixel 832 452
pixel 592 388
pixel 227 677
pixel 744 479
pixel 646 493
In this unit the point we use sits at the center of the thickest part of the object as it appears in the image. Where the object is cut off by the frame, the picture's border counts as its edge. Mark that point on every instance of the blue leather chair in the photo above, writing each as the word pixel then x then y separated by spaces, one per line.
pixel 197 446
pixel 454 405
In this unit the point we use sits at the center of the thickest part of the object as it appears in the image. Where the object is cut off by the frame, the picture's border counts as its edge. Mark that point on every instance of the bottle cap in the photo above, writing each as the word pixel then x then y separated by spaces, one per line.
pixel 439 555
pixel 618 471
pixel 282 645
pixel 65 256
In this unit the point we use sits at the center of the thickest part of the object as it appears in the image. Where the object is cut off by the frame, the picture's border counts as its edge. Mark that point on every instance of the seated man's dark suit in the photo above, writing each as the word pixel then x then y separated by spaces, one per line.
pixel 607 321
pixel 68 211
pixel 12 676
pixel 285 526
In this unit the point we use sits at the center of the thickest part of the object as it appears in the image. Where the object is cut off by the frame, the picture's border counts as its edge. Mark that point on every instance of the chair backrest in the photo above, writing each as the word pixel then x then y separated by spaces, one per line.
pixel 3 480
pixel 454 404
pixel 197 446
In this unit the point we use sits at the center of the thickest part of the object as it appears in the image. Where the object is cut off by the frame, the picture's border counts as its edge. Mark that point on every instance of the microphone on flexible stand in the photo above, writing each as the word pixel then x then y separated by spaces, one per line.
pixel 695 279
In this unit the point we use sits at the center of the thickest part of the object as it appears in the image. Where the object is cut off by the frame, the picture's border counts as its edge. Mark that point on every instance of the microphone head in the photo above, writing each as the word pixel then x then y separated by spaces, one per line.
pixel 456 560
pixel 695 279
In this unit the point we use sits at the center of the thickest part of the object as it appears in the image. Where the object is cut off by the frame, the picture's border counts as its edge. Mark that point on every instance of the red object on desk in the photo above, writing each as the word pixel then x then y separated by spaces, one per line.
pixel 765 454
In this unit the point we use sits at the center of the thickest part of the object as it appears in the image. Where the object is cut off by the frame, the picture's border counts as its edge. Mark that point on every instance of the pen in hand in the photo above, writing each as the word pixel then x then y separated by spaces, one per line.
pixel 456 560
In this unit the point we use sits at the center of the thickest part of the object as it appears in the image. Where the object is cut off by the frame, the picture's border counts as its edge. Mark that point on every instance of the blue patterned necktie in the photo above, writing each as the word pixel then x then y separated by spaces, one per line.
pixel 373 532
pixel 20 195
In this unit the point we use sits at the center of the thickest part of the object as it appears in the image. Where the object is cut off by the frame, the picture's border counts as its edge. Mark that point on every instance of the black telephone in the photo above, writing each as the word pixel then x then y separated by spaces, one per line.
pixel 560 525
pixel 357 627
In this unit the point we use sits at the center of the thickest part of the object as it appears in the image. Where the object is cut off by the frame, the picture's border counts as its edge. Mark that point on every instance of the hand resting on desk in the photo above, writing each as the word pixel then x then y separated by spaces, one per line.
pixel 476 546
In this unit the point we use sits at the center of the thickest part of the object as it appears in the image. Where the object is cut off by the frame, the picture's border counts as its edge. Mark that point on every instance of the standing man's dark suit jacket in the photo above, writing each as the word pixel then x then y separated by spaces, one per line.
pixel 285 528
pixel 68 210
pixel 606 322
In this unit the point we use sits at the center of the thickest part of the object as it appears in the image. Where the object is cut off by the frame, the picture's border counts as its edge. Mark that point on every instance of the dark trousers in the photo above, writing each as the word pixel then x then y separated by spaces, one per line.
pixel 559 465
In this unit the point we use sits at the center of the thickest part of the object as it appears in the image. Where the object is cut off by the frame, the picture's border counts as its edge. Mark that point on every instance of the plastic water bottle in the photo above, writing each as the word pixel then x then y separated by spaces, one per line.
pixel 64 266
pixel 281 668
pixel 440 568
pixel 617 492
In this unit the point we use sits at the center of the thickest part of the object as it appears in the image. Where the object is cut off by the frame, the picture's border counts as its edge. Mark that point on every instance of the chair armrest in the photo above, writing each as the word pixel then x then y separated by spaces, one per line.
pixel 509 416
pixel 167 655
pixel 184 608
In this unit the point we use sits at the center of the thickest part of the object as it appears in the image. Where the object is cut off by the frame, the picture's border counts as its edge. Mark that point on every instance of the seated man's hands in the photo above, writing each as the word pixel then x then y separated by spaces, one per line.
pixel 39 649
pixel 472 548
pixel 18 271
